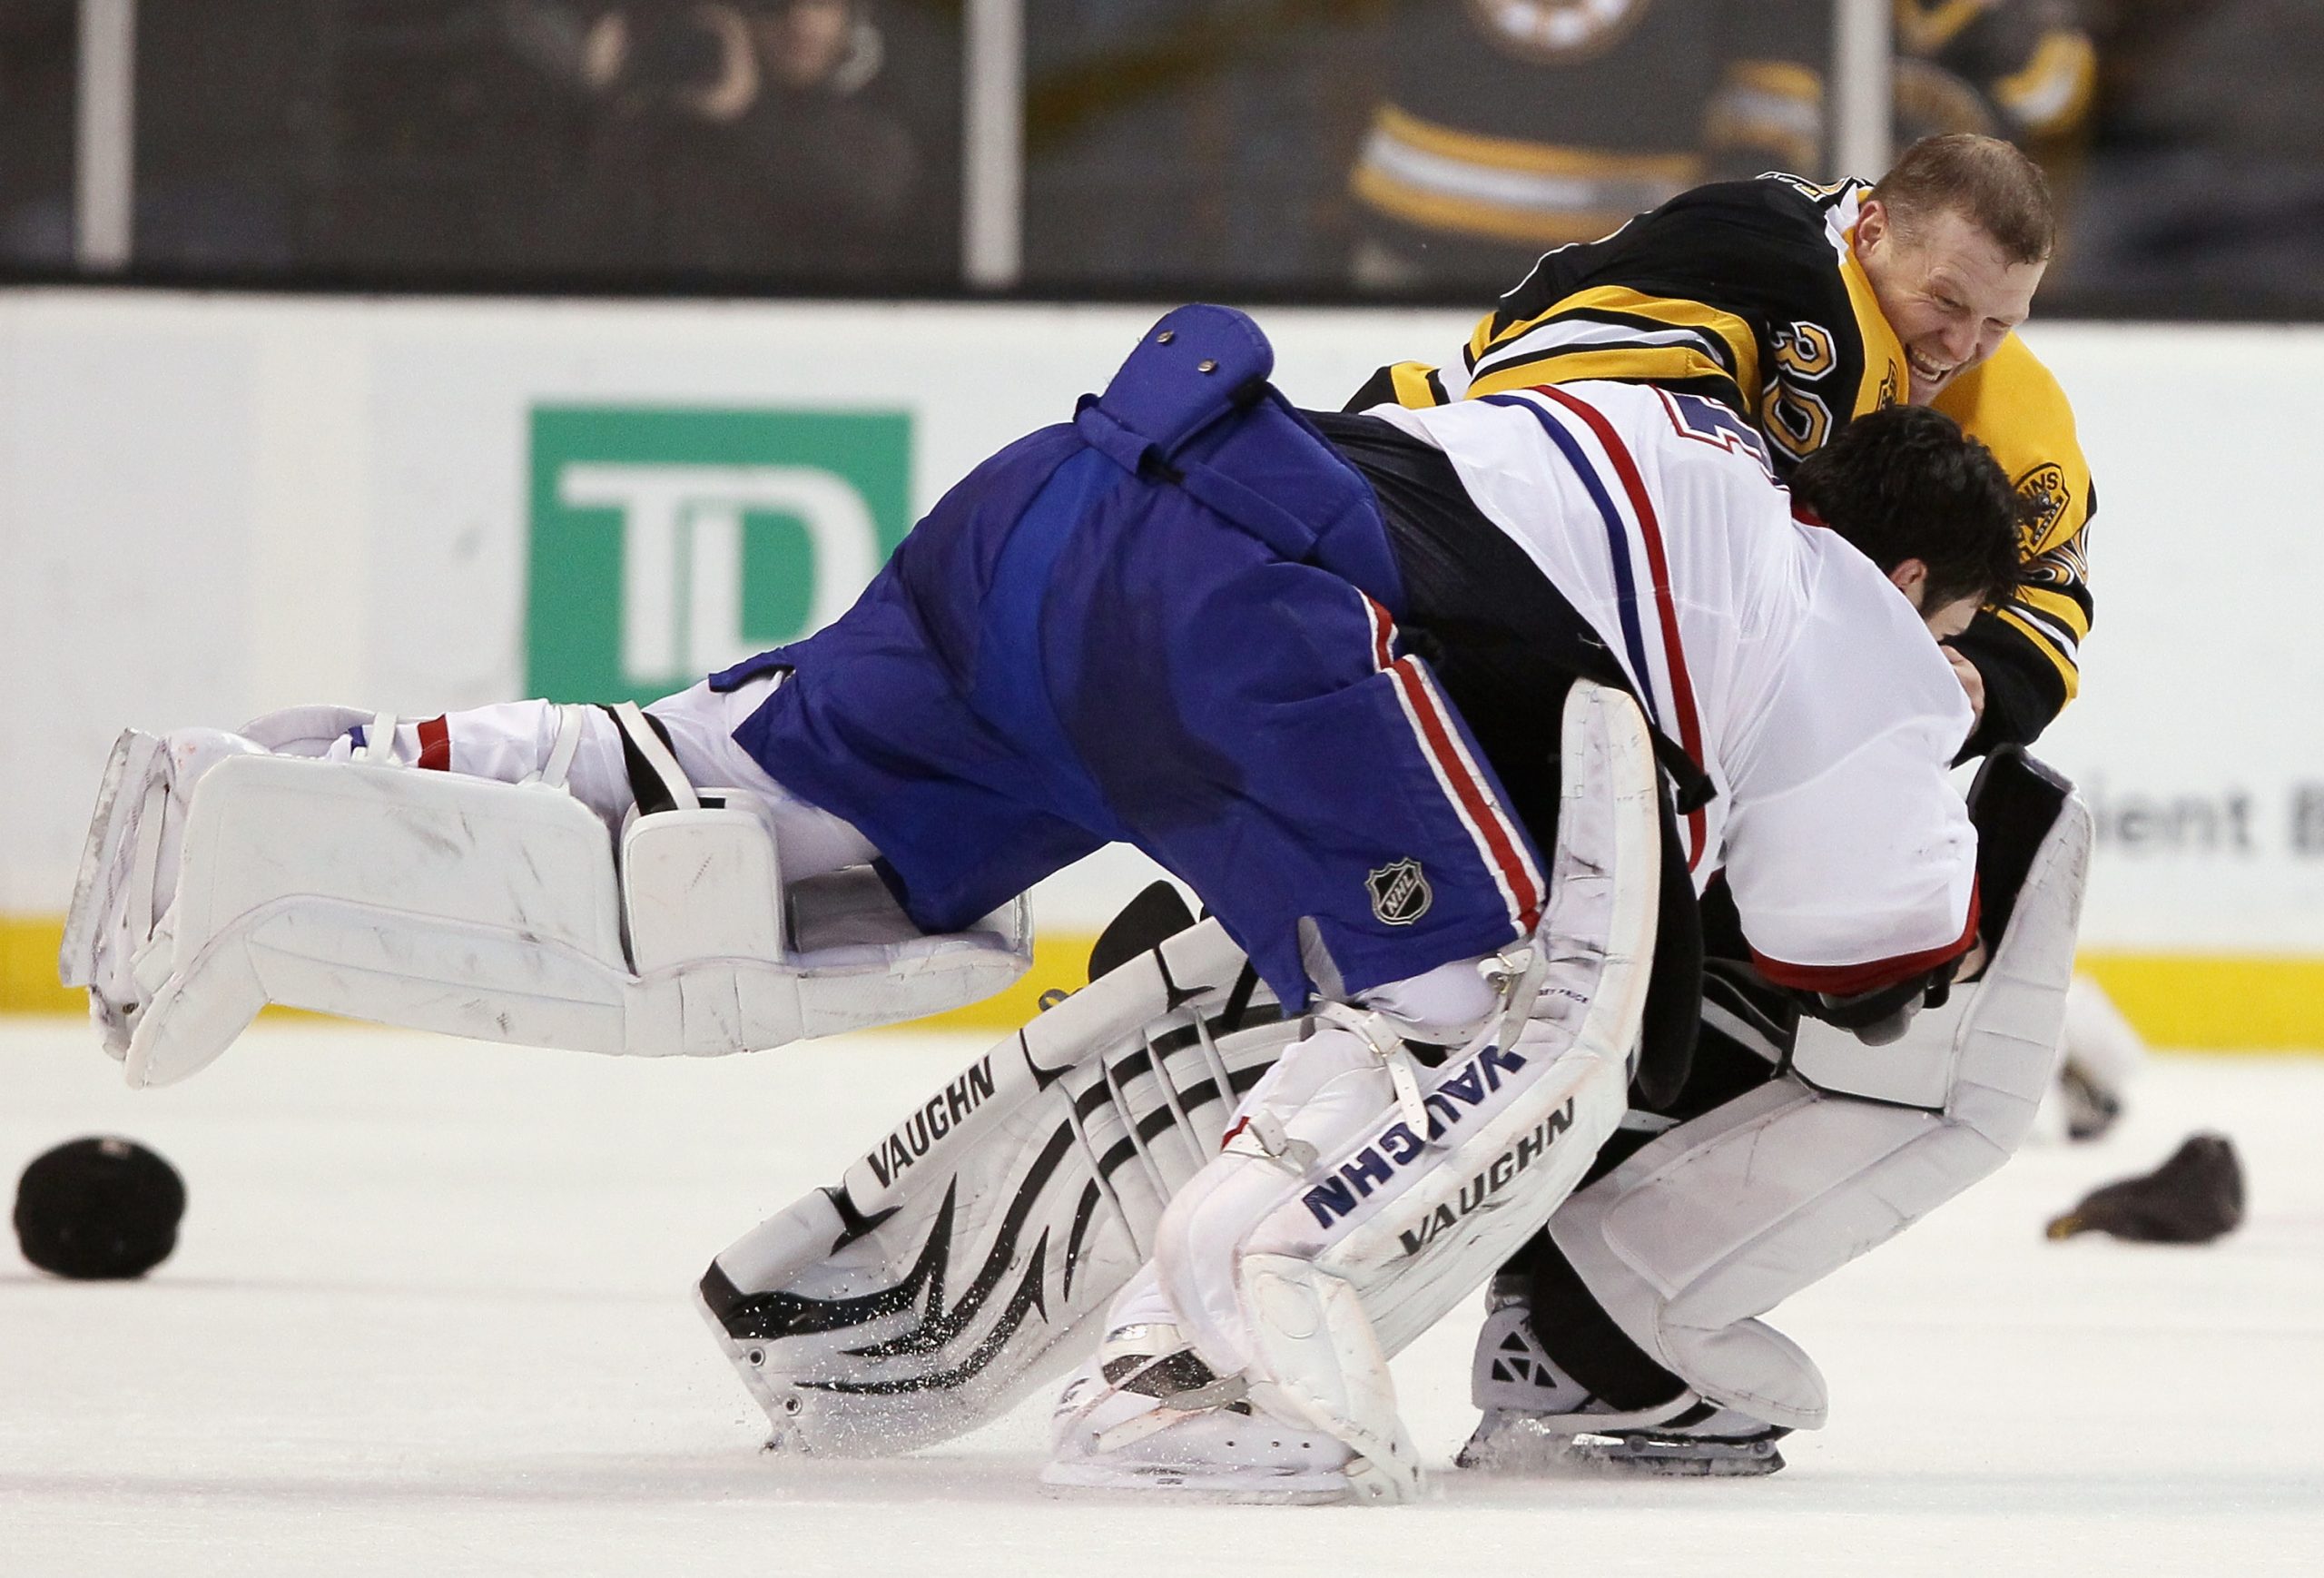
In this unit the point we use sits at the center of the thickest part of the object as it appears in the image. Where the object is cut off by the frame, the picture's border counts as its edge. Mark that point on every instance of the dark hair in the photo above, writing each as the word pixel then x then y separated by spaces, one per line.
pixel 1985 180
pixel 1906 483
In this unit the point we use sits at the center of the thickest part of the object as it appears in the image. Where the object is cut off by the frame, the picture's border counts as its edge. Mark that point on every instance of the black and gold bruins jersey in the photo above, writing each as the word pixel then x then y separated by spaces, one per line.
pixel 1513 123
pixel 1748 293
pixel 1534 122
pixel 2021 69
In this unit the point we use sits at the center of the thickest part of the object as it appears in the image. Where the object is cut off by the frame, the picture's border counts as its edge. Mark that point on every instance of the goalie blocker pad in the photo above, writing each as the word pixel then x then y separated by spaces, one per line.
pixel 1720 1219
pixel 439 901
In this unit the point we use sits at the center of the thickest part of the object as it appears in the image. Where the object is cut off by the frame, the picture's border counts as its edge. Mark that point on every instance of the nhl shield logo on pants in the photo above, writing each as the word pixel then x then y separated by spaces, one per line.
pixel 1400 893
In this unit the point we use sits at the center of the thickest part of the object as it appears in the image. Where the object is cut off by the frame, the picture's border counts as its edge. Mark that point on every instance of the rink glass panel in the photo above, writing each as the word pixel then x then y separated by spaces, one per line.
pixel 550 143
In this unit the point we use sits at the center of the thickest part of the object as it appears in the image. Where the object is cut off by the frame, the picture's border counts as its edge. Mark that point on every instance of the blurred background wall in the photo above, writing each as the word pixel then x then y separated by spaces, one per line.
pixel 1315 150
pixel 329 327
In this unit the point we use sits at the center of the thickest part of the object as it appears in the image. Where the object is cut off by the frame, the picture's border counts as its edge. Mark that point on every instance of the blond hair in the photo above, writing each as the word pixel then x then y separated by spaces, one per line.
pixel 1987 181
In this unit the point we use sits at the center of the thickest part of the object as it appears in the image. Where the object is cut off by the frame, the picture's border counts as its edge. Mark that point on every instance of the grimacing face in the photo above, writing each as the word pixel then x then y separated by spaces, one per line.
pixel 1947 290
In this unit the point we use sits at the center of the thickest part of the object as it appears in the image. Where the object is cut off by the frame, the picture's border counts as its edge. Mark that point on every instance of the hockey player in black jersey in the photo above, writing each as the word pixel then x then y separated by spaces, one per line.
pixel 1800 307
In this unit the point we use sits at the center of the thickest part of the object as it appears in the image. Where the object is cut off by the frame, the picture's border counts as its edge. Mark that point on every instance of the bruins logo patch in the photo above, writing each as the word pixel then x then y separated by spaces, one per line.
pixel 2044 492
pixel 1555 30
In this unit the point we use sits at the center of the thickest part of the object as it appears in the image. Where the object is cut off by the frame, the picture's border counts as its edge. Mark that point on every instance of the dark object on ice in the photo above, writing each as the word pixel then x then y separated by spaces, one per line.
pixel 2195 1197
pixel 99 1209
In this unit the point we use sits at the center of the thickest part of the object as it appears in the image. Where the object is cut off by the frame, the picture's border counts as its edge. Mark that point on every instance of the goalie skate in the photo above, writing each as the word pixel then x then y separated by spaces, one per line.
pixel 1539 1420
pixel 1526 1443
pixel 1145 1415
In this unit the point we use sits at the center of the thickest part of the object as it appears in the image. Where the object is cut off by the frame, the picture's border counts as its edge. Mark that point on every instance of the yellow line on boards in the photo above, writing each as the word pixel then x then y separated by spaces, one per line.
pixel 2196 1002
pixel 28 982
pixel 2235 1002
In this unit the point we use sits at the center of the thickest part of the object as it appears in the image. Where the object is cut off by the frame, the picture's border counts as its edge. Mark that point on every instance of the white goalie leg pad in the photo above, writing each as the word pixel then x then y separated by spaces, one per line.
pixel 440 901
pixel 119 934
pixel 1719 1219
pixel 1362 1197
pixel 117 937
pixel 972 1251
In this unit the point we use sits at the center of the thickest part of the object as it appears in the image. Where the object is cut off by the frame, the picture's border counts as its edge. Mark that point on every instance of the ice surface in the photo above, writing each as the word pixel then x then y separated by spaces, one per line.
pixel 429 1317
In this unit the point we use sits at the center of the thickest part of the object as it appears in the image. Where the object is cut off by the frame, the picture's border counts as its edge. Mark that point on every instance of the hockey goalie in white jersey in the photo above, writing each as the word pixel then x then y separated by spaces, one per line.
pixel 1446 716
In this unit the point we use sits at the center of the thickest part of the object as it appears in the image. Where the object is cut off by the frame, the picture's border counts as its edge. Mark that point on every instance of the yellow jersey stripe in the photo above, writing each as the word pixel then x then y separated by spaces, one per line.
pixel 1782 78
pixel 1534 158
pixel 1411 381
pixel 1884 382
pixel 2053 89
pixel 1732 330
pixel 2060 607
pixel 1663 364
pixel 1924 28
pixel 1470 216
pixel 2067 672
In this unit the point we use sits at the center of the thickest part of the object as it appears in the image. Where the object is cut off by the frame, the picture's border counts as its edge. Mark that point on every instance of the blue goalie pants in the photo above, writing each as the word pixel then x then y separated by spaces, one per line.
pixel 1169 623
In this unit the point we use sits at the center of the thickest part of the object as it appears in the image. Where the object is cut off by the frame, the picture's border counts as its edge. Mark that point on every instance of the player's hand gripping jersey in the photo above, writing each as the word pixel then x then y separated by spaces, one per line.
pixel 1774 653
pixel 1749 293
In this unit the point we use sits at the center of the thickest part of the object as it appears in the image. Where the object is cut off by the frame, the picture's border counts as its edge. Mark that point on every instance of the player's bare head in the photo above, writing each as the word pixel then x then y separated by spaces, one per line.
pixel 1987 181
pixel 1908 488
pixel 1954 240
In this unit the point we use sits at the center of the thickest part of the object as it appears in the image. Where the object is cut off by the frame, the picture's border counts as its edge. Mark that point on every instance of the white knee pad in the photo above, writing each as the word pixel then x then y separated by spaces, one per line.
pixel 1720 1219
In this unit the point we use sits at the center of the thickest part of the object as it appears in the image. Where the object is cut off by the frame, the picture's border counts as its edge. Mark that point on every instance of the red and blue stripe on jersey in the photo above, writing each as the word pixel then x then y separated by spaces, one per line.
pixel 1633 536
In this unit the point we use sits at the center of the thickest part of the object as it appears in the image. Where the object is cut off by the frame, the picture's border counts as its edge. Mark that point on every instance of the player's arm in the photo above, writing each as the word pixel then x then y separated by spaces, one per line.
pixel 1857 911
pixel 1639 305
pixel 1850 856
pixel 1704 296
pixel 2028 651
pixel 1644 305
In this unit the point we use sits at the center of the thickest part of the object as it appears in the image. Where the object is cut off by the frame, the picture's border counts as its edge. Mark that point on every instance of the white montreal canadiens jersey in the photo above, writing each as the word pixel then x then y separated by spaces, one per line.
pixel 1786 665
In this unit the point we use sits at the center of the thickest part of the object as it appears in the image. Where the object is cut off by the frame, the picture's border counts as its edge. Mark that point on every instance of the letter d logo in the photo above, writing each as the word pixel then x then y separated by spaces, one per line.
pixel 667 544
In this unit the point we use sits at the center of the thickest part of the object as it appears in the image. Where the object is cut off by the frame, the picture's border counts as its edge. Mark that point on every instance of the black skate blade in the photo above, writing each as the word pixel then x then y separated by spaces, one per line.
pixel 1680 1456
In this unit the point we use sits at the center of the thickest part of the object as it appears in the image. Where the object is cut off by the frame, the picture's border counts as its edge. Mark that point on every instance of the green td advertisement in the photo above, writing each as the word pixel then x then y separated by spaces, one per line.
pixel 666 543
